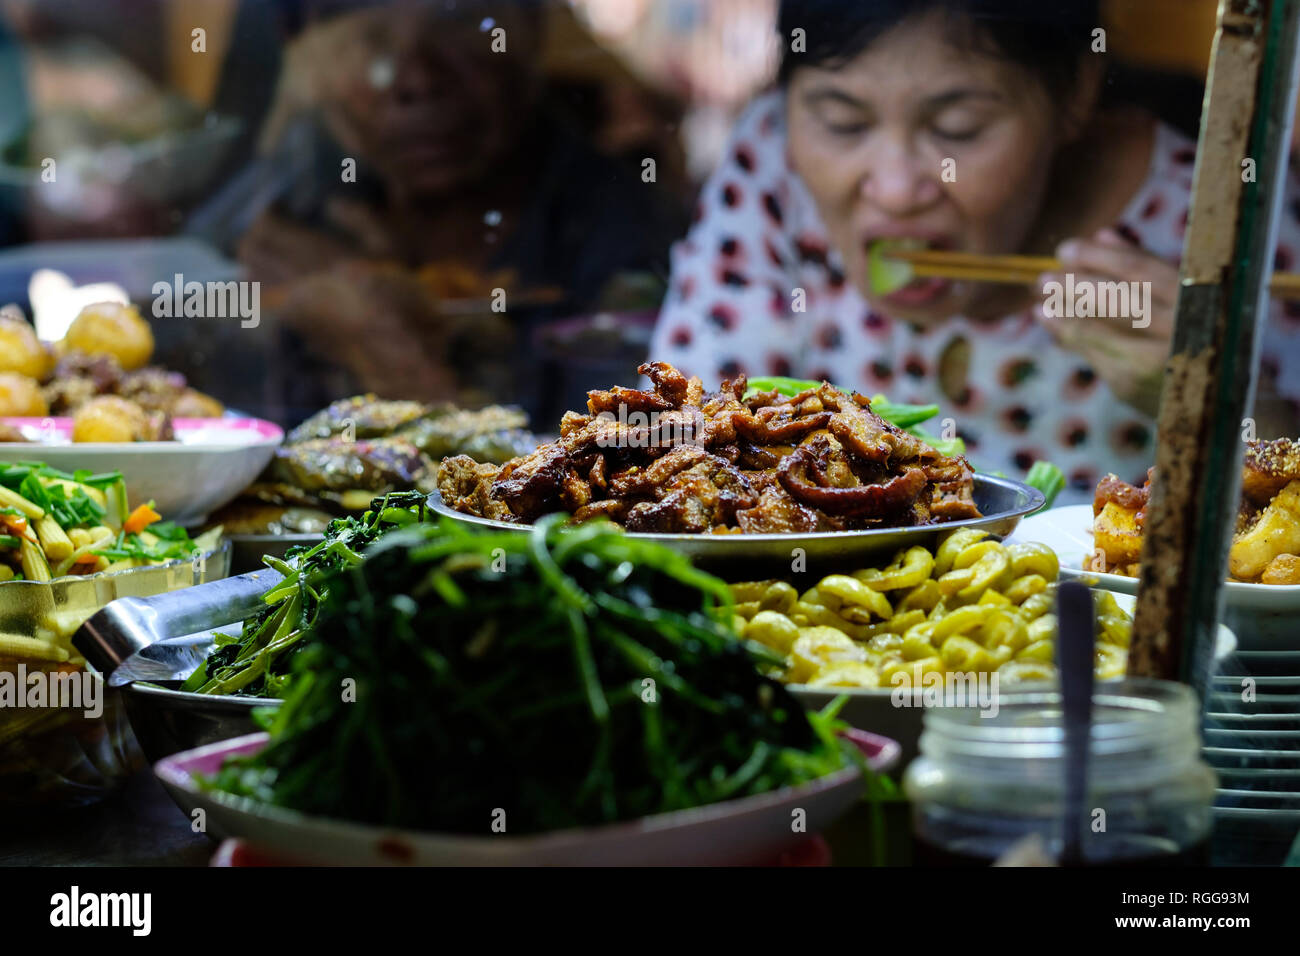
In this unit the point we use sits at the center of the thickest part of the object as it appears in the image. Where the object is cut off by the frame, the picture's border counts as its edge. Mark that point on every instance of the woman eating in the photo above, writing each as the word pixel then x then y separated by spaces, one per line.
pixel 970 125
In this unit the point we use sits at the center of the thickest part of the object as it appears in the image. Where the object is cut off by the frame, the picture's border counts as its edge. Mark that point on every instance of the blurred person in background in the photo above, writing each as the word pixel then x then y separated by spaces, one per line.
pixel 850 149
pixel 406 161
pixel 139 123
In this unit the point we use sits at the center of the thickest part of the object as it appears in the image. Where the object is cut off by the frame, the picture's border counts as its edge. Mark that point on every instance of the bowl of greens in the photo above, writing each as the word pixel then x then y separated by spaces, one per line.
pixel 568 696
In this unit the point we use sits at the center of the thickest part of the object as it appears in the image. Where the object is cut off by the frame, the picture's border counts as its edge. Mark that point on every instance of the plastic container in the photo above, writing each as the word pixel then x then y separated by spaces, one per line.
pixel 984 784
pixel 59 755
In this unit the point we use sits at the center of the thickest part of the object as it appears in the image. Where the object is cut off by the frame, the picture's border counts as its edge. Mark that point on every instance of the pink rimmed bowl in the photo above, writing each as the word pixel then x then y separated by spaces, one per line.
pixel 746 830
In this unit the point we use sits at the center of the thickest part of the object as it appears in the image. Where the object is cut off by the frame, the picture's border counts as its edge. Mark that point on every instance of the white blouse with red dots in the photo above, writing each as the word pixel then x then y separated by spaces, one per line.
pixel 757 237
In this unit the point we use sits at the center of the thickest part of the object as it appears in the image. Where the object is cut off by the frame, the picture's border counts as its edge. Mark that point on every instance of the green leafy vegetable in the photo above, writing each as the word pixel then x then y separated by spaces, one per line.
pixel 781 385
pixel 41 485
pixel 904 416
pixel 907 417
pixel 945 446
pixel 256 663
pixel 568 676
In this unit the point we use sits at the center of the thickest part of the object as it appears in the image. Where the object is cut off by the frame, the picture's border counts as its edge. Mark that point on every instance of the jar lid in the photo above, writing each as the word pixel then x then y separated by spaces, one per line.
pixel 1135 715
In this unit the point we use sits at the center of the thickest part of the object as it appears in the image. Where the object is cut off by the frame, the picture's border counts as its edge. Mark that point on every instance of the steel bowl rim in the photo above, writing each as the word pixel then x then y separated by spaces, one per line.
pixel 236 703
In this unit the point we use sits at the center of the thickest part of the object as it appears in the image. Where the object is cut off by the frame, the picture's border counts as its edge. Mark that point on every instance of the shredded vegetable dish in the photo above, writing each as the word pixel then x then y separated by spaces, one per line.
pixel 54 523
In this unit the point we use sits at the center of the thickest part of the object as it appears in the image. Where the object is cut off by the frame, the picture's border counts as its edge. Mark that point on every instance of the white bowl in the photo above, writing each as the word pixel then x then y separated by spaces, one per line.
pixel 211 461
pixel 742 830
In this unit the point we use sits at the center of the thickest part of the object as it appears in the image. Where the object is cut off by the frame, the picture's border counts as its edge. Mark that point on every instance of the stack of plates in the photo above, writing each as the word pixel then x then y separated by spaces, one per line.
pixel 1252 730
pixel 1254 746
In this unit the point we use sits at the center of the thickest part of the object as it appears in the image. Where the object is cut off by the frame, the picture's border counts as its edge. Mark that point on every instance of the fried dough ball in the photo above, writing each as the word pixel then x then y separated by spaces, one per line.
pixel 20 397
pixel 110 328
pixel 195 404
pixel 109 418
pixel 20 350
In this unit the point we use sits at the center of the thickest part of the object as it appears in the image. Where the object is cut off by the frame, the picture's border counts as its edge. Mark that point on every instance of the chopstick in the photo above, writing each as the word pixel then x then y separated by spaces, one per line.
pixel 1023 270
pixel 525 299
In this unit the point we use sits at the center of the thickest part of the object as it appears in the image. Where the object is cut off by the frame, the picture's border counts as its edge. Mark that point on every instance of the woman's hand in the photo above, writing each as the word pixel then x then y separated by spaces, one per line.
pixel 1128 351
pixel 276 250
pixel 379 323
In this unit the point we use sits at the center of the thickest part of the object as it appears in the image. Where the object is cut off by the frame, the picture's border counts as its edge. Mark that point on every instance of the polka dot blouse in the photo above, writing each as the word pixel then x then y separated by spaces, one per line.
pixel 757 237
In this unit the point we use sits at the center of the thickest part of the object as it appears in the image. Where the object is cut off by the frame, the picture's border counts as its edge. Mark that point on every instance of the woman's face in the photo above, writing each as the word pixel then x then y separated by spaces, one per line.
pixel 872 141
pixel 424 97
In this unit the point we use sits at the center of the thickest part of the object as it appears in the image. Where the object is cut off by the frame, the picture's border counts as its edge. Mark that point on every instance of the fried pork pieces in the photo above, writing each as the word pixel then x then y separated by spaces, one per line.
pixel 1266 543
pixel 673 459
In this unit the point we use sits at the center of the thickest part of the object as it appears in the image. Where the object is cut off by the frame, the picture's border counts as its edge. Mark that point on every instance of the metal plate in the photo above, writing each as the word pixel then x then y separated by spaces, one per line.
pixel 1003 502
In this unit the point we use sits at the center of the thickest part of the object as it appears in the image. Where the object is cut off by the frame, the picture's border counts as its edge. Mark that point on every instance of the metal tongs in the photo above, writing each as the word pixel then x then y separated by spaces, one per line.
pixel 166 637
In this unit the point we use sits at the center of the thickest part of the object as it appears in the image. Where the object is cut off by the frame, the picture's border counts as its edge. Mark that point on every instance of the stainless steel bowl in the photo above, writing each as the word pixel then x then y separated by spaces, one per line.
pixel 167 721
pixel 247 550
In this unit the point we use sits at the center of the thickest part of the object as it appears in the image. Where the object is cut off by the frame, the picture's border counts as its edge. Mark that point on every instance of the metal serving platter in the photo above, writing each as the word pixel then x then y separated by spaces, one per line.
pixel 1003 503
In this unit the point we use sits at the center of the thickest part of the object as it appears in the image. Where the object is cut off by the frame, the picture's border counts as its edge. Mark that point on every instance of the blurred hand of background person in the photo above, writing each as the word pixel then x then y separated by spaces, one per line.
pixel 375 322
pixel 1128 355
pixel 276 249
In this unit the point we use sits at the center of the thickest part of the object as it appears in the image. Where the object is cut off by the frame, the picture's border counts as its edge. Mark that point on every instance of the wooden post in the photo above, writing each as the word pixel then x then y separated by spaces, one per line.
pixel 1222 306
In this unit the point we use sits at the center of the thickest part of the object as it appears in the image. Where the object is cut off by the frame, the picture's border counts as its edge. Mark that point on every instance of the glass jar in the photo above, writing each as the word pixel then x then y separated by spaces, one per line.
pixel 985 782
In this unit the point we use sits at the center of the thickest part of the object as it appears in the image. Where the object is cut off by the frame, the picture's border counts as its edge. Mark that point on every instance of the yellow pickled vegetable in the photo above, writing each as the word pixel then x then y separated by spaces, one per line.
pixel 973 605
pixel 817 647
pixel 773 629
